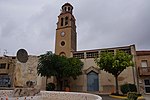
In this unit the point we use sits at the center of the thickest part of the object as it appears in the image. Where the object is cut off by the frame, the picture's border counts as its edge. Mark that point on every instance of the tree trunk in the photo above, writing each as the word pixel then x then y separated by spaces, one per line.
pixel 117 89
pixel 46 80
pixel 59 84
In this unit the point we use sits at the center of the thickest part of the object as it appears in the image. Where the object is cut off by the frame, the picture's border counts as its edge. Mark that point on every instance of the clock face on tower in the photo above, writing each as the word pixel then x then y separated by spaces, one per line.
pixel 62 34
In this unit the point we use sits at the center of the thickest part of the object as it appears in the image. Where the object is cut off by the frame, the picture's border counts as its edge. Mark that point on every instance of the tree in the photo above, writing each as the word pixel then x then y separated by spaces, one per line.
pixel 114 63
pixel 59 66
pixel 74 68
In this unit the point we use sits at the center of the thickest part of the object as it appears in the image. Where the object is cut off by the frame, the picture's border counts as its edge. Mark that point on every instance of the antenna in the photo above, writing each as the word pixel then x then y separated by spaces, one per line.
pixel 5 52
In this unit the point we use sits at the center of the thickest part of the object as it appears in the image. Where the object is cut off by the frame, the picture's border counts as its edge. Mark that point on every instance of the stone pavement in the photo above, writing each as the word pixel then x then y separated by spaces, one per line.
pixel 147 97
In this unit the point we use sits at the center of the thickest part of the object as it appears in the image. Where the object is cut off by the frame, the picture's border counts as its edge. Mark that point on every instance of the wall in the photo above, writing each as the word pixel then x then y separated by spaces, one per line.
pixel 139 59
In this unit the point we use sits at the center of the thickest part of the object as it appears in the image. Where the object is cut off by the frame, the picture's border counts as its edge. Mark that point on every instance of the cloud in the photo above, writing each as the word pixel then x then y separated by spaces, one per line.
pixel 114 23
pixel 31 24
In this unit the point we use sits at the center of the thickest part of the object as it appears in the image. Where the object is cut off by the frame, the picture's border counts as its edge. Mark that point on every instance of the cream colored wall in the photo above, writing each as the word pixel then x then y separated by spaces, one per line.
pixel 126 76
pixel 78 84
pixel 106 80
pixel 88 63
pixel 67 38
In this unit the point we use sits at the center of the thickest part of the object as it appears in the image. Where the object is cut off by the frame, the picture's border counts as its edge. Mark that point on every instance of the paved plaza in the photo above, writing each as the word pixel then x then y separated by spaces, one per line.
pixel 147 97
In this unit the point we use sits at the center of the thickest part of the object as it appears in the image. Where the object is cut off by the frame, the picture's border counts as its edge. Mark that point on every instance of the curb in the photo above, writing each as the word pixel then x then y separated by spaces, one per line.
pixel 121 97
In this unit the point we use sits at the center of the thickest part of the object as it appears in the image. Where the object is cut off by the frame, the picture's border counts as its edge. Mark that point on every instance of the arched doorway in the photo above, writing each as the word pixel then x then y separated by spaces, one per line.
pixel 92 81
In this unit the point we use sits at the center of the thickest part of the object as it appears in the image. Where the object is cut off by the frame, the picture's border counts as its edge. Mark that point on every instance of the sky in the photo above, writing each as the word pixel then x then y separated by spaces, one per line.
pixel 31 24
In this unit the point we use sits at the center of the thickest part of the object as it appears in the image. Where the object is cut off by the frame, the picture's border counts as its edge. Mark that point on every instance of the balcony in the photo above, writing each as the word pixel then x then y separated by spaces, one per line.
pixel 144 71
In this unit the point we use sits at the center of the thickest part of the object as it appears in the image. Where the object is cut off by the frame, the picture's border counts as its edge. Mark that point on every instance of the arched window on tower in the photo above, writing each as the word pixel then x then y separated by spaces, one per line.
pixel 62 54
pixel 68 8
pixel 65 9
pixel 62 21
pixel 66 20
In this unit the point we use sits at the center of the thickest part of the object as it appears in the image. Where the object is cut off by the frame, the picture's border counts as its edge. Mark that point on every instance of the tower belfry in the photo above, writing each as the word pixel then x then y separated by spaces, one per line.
pixel 66 34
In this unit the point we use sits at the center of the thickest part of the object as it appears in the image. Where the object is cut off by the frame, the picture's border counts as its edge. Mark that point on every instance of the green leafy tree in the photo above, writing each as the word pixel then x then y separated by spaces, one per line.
pixel 59 66
pixel 74 68
pixel 114 63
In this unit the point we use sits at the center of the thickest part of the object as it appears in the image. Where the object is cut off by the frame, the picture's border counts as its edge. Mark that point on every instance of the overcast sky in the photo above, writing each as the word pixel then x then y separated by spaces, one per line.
pixel 31 24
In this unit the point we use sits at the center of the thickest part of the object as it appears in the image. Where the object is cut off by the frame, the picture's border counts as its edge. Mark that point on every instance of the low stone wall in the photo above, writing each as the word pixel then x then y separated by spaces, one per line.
pixel 52 95
pixel 8 92
pixel 68 96
pixel 22 92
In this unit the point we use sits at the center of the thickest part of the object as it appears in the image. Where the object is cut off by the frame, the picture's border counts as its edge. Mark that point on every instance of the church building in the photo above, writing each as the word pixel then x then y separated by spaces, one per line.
pixel 92 78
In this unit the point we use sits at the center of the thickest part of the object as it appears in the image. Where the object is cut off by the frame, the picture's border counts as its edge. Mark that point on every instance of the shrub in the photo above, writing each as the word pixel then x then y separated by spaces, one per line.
pixel 128 88
pixel 116 94
pixel 50 87
pixel 132 96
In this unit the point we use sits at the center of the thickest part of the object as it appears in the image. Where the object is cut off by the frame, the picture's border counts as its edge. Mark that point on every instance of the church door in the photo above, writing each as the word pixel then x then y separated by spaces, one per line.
pixel 92 81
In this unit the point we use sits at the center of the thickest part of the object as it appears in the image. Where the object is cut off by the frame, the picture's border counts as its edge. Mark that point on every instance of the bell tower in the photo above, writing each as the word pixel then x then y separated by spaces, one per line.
pixel 66 36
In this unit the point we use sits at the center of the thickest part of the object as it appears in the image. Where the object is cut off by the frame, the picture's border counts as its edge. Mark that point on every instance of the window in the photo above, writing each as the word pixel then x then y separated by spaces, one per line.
pixel 112 51
pixel 144 63
pixel 66 20
pixel 8 66
pixel 65 9
pixel 147 85
pixel 126 50
pixel 62 43
pixel 3 66
pixel 5 81
pixel 92 54
pixel 79 55
pixel 147 82
pixel 62 21
pixel 68 8
pixel 147 89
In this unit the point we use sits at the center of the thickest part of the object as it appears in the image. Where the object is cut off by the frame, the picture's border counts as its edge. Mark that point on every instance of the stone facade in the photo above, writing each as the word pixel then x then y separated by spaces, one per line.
pixel 21 73
pixel 26 72
pixel 143 68
pixel 7 67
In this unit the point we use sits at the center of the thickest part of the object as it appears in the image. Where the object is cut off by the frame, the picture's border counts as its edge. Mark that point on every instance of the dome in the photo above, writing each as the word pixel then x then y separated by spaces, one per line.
pixel 67 4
